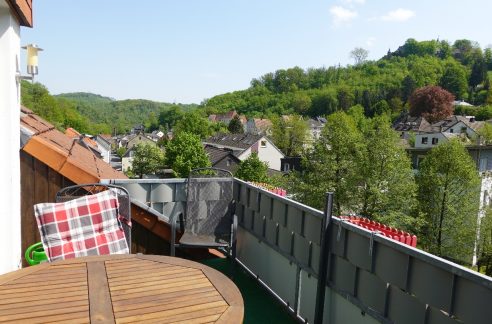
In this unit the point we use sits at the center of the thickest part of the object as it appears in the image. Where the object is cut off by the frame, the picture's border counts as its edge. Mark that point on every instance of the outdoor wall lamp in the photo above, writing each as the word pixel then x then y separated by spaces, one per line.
pixel 32 63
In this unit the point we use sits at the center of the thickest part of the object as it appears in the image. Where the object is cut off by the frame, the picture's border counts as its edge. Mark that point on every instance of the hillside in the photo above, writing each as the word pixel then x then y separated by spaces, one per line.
pixel 119 114
pixel 378 86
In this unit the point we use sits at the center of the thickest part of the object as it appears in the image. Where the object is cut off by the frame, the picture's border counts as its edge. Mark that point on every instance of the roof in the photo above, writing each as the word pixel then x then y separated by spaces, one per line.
pixel 72 133
pixel 408 123
pixel 241 141
pixel 445 124
pixel 22 10
pixel 69 158
pixel 216 154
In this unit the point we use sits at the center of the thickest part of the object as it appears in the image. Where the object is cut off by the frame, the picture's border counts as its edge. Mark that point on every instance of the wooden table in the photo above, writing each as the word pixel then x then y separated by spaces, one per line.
pixel 121 289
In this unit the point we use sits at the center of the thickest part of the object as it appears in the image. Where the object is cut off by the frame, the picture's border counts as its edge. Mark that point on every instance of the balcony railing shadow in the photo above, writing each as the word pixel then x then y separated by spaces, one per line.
pixel 370 278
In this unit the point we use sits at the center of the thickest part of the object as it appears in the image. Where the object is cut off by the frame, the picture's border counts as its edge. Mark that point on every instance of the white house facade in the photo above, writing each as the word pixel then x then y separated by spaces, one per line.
pixel 267 152
pixel 10 65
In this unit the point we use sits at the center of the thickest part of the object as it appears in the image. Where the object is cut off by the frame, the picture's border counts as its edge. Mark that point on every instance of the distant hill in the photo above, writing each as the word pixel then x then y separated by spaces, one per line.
pixel 381 86
pixel 119 114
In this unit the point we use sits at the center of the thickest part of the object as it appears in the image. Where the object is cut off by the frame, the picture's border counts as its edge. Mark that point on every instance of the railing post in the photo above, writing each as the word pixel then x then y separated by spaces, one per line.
pixel 323 259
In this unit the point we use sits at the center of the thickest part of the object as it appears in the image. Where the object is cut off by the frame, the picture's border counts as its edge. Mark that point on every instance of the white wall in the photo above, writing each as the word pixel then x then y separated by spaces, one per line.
pixel 269 154
pixel 418 140
pixel 10 237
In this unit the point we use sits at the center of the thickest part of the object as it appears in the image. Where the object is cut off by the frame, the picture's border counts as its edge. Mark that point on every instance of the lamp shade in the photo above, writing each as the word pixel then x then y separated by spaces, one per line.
pixel 32 58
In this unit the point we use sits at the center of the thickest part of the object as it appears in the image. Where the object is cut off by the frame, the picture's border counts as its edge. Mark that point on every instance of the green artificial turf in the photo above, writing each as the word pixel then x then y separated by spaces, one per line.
pixel 259 306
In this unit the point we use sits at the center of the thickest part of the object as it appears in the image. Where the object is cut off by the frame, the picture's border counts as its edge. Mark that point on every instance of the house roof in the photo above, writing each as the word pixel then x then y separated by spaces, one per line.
pixel 216 154
pixel 445 124
pixel 72 133
pixel 409 123
pixel 22 10
pixel 69 158
pixel 240 141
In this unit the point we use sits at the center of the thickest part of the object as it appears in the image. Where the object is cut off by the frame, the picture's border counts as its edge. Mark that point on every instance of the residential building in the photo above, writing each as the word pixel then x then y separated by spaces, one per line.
pixel 243 145
pixel 465 127
pixel 407 124
pixel 13 15
pixel 315 127
pixel 104 146
pixel 291 163
pixel 222 158
pixel 131 140
pixel 259 126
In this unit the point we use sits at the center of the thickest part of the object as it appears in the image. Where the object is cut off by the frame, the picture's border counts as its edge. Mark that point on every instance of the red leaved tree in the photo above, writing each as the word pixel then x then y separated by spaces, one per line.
pixel 431 102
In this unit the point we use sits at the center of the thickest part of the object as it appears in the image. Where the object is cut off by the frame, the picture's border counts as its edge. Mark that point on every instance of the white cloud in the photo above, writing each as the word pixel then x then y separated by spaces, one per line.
pixel 342 15
pixel 398 15
pixel 370 41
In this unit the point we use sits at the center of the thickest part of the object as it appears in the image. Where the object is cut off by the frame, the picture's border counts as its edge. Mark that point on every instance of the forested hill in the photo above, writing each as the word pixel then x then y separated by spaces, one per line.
pixel 120 114
pixel 92 113
pixel 379 86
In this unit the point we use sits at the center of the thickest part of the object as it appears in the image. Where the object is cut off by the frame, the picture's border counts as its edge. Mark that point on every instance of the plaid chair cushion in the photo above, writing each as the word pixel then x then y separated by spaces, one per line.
pixel 88 225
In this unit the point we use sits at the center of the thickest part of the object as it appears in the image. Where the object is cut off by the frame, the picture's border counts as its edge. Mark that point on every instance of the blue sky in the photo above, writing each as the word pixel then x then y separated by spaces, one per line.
pixel 188 50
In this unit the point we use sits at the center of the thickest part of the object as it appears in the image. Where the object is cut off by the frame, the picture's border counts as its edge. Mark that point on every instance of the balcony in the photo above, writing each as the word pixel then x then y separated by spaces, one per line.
pixel 370 278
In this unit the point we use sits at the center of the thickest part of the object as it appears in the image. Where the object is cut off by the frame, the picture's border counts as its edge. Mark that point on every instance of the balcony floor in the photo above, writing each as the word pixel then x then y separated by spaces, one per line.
pixel 259 306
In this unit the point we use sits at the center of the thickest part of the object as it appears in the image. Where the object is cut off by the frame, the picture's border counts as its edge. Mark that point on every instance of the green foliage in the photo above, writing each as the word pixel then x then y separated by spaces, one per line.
pixel 184 153
pixel 235 126
pixel 484 244
pixel 290 134
pixel 61 113
pixel 331 165
pixel 121 151
pixel 449 188
pixel 194 123
pixel 147 159
pixel 387 186
pixel 485 134
pixel 252 169
pixel 121 115
pixel 454 79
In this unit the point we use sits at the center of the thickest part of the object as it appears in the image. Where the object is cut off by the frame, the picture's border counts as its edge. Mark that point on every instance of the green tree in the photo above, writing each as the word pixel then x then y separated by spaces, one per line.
pixel 448 195
pixel 252 169
pixel 485 134
pixel 169 117
pixel 184 153
pixel 147 159
pixel 484 244
pixel 194 123
pixel 235 126
pixel 331 166
pixel 289 134
pixel 454 79
pixel 121 151
pixel 387 184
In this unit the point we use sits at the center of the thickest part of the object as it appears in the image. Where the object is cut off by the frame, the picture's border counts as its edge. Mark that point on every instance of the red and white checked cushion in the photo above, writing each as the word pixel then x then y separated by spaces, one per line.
pixel 88 225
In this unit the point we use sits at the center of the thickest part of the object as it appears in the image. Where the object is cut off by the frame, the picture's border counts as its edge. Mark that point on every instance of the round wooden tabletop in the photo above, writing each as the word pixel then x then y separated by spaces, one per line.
pixel 120 289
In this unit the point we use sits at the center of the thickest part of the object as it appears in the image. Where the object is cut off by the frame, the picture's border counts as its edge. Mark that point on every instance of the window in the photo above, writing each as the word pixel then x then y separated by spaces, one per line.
pixel 463 129
pixel 435 140
pixel 424 140
pixel 451 130
pixel 263 143
pixel 286 167
pixel 228 162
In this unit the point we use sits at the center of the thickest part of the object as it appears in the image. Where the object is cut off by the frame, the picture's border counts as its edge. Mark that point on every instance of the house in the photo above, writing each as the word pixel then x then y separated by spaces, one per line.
pixel 14 14
pixel 140 128
pixel 227 117
pixel 104 146
pixel 85 140
pixel 242 145
pixel 291 163
pixel 315 127
pixel 156 135
pixel 465 127
pixel 129 141
pixel 222 158
pixel 407 124
pixel 259 126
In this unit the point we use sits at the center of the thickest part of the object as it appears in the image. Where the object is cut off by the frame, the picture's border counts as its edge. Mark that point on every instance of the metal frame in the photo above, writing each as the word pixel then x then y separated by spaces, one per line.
pixel 181 218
